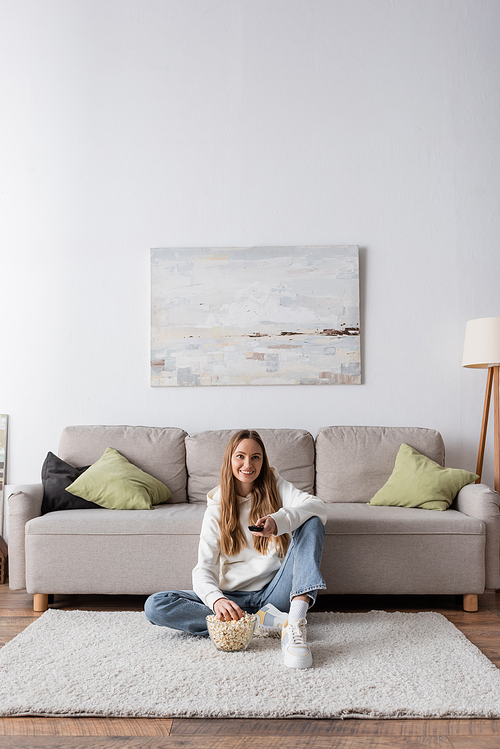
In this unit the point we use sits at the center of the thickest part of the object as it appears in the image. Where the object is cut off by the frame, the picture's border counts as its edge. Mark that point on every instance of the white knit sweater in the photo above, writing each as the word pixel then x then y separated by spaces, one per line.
pixel 248 570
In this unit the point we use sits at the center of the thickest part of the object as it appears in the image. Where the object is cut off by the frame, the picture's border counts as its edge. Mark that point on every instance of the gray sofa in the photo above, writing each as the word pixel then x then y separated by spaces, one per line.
pixel 374 550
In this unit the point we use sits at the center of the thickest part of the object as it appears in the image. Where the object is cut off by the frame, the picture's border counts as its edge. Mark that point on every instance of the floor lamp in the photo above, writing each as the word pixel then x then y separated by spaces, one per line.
pixel 482 351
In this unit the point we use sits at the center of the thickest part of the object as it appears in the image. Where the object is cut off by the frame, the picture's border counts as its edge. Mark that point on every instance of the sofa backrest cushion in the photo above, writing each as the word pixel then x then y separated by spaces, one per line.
pixel 160 451
pixel 353 463
pixel 290 451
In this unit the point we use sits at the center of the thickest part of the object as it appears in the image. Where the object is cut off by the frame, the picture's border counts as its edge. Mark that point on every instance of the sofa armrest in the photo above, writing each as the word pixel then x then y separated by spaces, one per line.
pixel 24 503
pixel 481 502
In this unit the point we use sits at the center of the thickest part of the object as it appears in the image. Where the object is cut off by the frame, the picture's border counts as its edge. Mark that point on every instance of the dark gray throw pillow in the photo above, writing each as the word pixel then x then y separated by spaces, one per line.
pixel 56 476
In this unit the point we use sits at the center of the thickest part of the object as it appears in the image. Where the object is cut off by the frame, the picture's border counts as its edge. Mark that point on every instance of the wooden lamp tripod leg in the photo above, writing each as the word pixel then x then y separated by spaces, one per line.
pixel 496 411
pixel 484 425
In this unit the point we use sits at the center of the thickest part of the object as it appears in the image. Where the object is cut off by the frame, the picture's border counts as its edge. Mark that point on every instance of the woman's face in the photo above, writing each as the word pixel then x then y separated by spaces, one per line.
pixel 246 463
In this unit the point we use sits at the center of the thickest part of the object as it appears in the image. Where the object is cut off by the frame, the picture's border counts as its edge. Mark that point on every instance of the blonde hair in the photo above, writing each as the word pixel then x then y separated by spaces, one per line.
pixel 265 500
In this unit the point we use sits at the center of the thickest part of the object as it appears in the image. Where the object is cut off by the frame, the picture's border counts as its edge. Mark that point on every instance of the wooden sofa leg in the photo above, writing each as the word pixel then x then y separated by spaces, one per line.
pixel 40 602
pixel 470 602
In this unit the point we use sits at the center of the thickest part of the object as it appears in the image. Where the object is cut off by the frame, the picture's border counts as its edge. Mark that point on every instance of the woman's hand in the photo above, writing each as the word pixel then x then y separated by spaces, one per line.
pixel 269 528
pixel 226 610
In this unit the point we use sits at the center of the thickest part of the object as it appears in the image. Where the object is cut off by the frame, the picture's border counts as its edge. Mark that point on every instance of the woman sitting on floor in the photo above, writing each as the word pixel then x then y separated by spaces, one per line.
pixel 247 560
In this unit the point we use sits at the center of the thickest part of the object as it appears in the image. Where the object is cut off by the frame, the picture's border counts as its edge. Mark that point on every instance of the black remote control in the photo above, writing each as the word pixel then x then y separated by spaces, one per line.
pixel 257 528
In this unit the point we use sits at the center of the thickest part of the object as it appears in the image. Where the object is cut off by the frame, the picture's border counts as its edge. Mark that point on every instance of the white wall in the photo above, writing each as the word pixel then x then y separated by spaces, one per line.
pixel 131 124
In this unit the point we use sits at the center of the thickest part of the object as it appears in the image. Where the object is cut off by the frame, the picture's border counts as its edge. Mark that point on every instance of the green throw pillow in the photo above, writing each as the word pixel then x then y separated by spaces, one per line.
pixel 417 481
pixel 117 484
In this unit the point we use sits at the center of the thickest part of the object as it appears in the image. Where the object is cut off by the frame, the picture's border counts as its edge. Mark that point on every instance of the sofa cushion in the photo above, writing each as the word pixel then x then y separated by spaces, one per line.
pixel 57 475
pixel 417 481
pixel 115 483
pixel 131 552
pixel 353 463
pixel 290 451
pixel 356 519
pixel 162 520
pixel 402 550
pixel 159 451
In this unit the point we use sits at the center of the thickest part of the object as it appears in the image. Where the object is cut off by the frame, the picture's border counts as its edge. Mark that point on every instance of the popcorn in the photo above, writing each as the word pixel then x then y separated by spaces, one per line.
pixel 232 635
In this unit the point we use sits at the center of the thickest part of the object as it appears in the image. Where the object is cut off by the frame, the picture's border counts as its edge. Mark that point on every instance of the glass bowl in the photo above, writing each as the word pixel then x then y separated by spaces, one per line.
pixel 234 635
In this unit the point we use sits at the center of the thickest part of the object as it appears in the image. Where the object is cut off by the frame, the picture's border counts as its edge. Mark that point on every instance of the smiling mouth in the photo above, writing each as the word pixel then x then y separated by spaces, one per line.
pixel 246 473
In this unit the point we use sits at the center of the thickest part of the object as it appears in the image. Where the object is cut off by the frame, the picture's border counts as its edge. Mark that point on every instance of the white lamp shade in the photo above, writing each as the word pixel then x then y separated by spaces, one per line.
pixel 482 343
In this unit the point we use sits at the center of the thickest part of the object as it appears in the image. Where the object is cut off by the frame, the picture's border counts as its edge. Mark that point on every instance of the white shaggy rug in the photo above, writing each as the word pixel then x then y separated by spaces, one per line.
pixel 369 665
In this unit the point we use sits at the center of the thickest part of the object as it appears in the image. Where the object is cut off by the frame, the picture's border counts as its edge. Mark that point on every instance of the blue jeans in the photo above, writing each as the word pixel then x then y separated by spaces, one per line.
pixel 299 574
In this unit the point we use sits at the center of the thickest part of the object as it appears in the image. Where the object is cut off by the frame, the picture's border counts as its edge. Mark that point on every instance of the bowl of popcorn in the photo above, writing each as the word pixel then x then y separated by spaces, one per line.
pixel 233 635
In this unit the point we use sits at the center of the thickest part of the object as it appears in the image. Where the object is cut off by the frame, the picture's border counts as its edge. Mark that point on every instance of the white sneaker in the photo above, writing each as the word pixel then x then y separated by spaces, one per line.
pixel 294 645
pixel 271 618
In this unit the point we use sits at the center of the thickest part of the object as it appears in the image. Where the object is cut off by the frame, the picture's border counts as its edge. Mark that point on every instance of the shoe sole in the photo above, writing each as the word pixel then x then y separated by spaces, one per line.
pixel 294 662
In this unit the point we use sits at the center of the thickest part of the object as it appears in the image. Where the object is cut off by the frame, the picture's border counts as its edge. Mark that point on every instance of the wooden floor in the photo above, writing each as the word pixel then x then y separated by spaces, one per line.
pixel 482 628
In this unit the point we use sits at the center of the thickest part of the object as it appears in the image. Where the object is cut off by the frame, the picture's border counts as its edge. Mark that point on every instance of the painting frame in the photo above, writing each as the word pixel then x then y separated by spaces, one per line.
pixel 255 316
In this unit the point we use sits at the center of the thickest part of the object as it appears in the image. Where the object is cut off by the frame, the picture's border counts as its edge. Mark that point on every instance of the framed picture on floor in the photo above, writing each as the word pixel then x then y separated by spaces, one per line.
pixel 3 464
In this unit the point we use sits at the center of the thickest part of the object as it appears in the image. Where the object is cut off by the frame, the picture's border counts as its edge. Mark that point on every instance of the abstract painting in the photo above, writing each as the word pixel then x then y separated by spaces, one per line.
pixel 255 316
